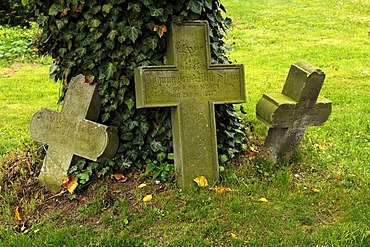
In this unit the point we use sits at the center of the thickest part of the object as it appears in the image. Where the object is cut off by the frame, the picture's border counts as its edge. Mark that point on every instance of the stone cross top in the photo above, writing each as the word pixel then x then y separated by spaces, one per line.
pixel 72 132
pixel 191 85
pixel 289 113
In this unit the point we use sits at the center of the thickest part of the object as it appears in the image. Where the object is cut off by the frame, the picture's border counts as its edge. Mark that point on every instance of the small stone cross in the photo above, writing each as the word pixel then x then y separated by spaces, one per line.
pixel 72 132
pixel 191 86
pixel 289 113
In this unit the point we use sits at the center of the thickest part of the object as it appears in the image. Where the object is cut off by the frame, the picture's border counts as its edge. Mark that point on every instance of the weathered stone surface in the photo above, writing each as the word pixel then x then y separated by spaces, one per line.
pixel 289 113
pixel 72 132
pixel 191 85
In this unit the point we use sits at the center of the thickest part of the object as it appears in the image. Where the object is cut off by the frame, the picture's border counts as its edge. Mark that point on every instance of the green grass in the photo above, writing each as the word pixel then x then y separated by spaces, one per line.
pixel 335 158
pixel 24 89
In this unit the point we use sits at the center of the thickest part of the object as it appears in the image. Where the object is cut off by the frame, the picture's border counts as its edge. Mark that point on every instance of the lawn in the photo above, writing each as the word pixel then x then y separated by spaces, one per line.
pixel 320 199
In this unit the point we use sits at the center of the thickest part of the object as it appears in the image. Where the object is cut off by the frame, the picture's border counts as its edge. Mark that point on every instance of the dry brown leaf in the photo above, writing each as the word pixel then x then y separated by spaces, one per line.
pixel 201 181
pixel 147 198
pixel 88 79
pixel 164 29
pixel 120 177
pixel 160 30
pixel 221 189
pixel 70 183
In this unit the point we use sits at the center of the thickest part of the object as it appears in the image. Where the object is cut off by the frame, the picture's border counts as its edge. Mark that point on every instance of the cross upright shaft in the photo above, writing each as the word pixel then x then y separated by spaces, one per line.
pixel 191 85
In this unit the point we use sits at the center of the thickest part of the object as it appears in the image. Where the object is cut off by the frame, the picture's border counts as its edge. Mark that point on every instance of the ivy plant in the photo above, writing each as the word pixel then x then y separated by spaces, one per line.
pixel 106 40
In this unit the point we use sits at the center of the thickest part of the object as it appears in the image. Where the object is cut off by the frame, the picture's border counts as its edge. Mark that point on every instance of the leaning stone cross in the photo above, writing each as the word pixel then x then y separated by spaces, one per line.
pixel 191 86
pixel 289 113
pixel 72 132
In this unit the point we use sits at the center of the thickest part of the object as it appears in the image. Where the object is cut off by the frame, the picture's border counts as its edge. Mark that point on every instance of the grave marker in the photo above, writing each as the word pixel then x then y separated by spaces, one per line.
pixel 191 86
pixel 289 113
pixel 72 132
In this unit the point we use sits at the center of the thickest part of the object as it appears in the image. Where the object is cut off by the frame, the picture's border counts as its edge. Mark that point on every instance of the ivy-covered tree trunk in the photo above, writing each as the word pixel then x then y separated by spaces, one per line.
pixel 106 40
pixel 12 12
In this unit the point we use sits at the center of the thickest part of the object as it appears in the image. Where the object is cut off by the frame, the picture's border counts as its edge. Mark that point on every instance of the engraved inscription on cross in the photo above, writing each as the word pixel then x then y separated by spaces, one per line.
pixel 191 85
pixel 72 133
pixel 289 113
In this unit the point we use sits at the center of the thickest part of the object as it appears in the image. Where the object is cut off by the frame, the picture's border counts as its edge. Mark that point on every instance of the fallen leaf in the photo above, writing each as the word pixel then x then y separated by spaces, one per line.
pixel 70 183
pixel 233 235
pixel 314 190
pixel 221 189
pixel 120 177
pixel 263 200
pixel 141 186
pixel 88 79
pixel 18 214
pixel 201 181
pixel 147 198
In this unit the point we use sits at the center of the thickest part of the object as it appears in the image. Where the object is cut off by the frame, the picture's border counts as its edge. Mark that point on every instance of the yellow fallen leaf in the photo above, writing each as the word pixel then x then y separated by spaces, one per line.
pixel 233 235
pixel 147 198
pixel 70 183
pixel 141 186
pixel 263 200
pixel 18 214
pixel 221 189
pixel 201 181
pixel 314 190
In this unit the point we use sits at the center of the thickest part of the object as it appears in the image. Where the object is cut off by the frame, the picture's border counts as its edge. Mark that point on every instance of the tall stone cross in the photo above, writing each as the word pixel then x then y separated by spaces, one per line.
pixel 289 113
pixel 72 132
pixel 191 86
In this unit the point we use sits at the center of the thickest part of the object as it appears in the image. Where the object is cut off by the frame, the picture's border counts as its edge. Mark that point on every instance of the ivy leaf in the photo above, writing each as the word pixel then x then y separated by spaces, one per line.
pixel 195 6
pixel 151 42
pixel 112 34
pixel 107 70
pixel 144 127
pixel 146 2
pixel 54 9
pixel 94 22
pixel 161 156
pixel 135 7
pixel 127 136
pixel 155 12
pixel 223 158
pixel 133 33
pixel 106 8
pixel 208 4
pixel 83 177
pixel 171 156
pixel 130 103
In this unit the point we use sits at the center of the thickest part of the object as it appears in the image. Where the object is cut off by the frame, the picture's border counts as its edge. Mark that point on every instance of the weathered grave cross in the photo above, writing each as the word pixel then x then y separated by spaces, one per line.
pixel 191 85
pixel 69 134
pixel 289 113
